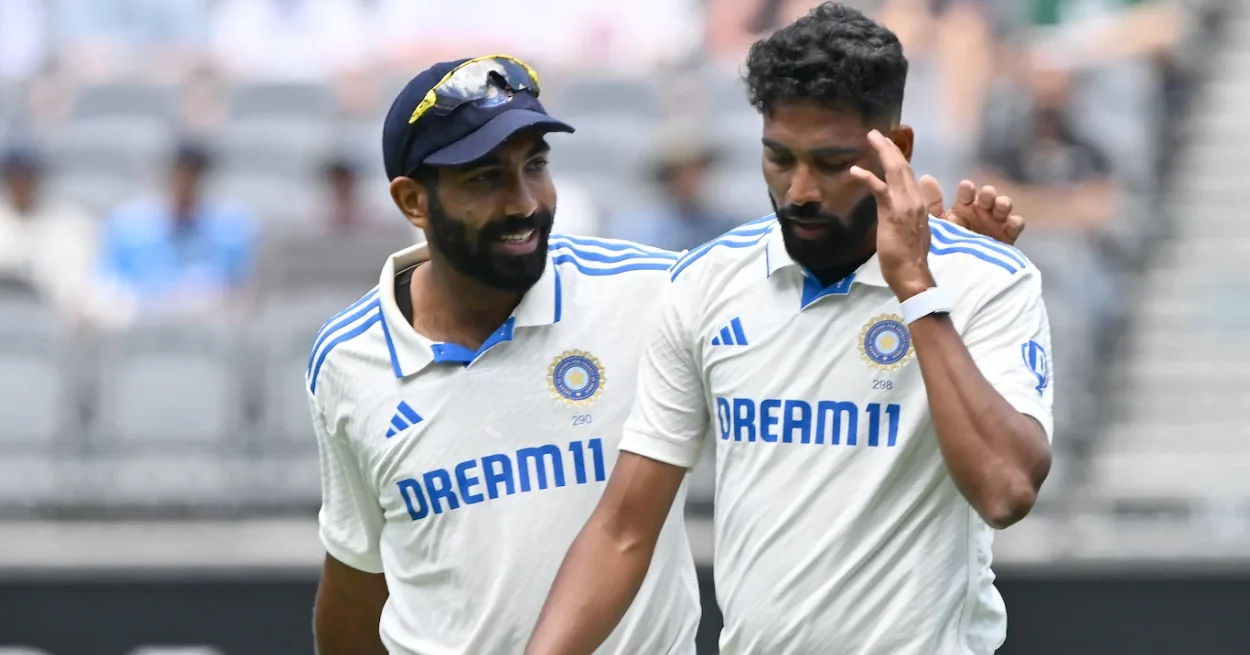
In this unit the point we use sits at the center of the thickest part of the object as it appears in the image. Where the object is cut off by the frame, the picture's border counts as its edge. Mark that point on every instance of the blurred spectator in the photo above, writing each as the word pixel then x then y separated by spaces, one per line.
pixel 949 46
pixel 555 36
pixel 45 242
pixel 289 40
pixel 1109 54
pixel 345 213
pixel 1062 181
pixel 23 38
pixel 682 217
pixel 108 38
pixel 178 255
pixel 731 26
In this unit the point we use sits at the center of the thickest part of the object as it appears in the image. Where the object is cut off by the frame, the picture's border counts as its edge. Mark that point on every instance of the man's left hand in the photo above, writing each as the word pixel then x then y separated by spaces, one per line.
pixel 984 212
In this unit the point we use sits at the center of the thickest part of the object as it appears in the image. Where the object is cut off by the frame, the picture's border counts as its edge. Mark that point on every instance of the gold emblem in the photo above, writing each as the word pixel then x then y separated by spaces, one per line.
pixel 885 342
pixel 576 378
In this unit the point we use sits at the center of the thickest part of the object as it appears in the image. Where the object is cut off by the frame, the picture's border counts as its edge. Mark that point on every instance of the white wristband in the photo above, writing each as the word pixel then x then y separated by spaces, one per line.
pixel 930 301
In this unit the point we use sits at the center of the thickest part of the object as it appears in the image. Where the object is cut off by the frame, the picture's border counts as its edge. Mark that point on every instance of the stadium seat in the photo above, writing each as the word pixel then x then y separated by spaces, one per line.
pixel 285 468
pixel 169 407
pixel 125 100
pixel 100 192
pixel 41 403
pixel 274 145
pixel 11 97
pixel 268 195
pixel 740 192
pixel 738 135
pixel 277 100
pixel 1195 477
pixel 610 192
pixel 129 147
pixel 294 263
pixel 726 94
pixel 603 145
pixel 604 95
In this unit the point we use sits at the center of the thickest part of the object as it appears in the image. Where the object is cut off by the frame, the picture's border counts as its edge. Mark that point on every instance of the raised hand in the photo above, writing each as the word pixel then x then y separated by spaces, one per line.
pixel 984 212
pixel 902 220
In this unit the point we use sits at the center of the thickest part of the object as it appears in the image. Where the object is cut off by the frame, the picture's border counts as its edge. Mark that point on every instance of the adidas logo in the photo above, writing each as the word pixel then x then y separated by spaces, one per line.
pixel 404 418
pixel 731 335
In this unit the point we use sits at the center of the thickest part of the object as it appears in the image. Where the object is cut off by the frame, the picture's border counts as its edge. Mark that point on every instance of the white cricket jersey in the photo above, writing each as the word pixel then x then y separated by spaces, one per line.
pixel 838 529
pixel 464 476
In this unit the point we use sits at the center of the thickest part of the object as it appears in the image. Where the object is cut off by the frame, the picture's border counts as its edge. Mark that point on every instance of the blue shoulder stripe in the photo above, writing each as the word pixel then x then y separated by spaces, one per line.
pixel 743 236
pixel 592 256
pixel 608 244
pixel 589 268
pixel 945 241
pixel 348 335
pixel 327 328
pixel 949 233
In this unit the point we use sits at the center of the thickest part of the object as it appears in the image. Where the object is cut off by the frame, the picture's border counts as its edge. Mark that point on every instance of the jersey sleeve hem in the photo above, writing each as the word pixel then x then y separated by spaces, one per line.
pixel 660 449
pixel 1037 412
pixel 371 563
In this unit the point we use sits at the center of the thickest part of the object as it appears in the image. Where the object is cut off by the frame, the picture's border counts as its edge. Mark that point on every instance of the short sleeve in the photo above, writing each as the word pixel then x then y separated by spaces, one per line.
pixel 1009 339
pixel 350 520
pixel 670 416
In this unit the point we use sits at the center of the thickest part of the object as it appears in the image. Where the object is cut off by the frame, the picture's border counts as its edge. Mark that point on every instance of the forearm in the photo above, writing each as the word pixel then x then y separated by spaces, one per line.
pixel 997 456
pixel 348 611
pixel 595 586
pixel 340 630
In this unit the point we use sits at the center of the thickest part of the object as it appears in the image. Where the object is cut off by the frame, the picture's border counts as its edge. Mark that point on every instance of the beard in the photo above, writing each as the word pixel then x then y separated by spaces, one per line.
pixel 835 251
pixel 478 257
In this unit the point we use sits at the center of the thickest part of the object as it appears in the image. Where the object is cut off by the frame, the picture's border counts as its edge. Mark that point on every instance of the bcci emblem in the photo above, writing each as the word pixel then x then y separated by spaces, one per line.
pixel 576 378
pixel 885 342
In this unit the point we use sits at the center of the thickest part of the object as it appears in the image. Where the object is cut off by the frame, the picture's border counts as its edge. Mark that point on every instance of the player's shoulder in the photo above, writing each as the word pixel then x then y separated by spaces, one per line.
pixel 614 262
pixel 975 260
pixel 727 253
pixel 349 338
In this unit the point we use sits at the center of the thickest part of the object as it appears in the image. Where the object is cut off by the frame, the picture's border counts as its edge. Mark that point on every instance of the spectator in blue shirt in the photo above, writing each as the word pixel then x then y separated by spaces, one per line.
pixel 181 254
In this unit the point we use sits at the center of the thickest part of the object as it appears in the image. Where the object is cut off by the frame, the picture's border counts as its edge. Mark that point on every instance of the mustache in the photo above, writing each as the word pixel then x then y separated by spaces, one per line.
pixel 539 220
pixel 808 212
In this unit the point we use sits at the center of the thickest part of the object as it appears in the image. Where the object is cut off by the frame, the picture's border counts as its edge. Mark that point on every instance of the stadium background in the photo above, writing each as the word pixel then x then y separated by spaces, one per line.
pixel 158 485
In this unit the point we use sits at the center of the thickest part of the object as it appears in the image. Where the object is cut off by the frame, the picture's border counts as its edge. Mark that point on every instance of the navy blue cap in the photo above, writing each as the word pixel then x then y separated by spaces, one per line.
pixel 465 135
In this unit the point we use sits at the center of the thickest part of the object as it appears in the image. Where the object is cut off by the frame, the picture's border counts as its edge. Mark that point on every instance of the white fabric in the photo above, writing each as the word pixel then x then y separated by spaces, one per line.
pixel 553 34
pixel 470 510
pixel 290 40
pixel 838 528
pixel 54 249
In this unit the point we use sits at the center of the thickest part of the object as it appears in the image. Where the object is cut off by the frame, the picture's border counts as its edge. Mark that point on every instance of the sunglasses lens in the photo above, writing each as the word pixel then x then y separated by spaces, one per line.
pixel 482 79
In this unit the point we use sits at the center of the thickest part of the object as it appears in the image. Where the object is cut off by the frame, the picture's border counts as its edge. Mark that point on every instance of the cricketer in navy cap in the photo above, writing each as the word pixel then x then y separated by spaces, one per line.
pixel 475 179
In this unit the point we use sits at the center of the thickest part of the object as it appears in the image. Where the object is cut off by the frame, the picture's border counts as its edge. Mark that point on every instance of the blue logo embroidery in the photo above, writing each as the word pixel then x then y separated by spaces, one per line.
pixel 1034 356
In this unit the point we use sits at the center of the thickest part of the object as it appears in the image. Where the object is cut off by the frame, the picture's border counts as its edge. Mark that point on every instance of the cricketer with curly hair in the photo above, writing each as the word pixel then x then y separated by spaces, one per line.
pixel 876 382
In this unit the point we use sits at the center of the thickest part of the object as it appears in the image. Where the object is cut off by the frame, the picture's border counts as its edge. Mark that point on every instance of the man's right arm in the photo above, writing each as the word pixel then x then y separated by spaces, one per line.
pixel 352 590
pixel 607 563
pixel 348 610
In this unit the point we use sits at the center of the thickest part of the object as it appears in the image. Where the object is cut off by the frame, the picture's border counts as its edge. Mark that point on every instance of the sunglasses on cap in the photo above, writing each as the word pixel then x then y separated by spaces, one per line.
pixel 477 79
pixel 481 78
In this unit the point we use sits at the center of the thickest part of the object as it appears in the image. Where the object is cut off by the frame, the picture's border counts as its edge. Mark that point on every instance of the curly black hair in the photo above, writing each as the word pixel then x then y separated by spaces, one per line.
pixel 835 56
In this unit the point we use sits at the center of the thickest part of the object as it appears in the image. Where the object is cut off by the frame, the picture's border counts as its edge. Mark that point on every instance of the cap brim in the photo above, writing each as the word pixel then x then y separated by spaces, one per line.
pixel 491 135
